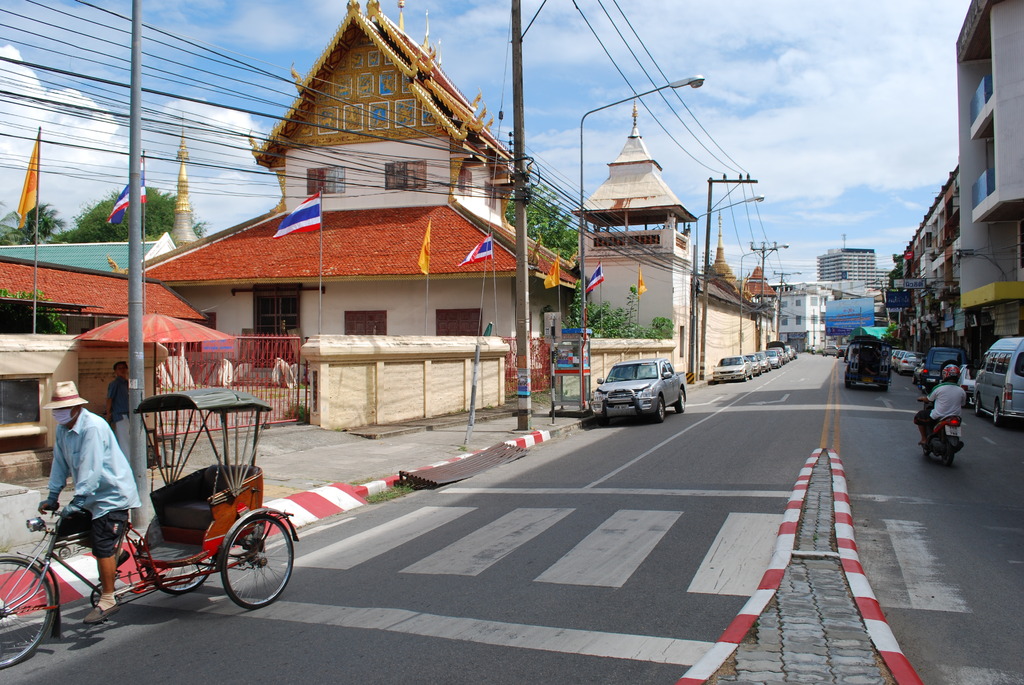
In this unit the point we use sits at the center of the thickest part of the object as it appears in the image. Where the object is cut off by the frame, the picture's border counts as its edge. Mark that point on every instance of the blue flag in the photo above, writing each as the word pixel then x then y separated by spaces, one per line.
pixel 305 219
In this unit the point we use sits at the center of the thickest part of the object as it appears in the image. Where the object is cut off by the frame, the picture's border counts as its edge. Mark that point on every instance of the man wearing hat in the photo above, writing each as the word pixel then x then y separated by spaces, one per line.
pixel 86 449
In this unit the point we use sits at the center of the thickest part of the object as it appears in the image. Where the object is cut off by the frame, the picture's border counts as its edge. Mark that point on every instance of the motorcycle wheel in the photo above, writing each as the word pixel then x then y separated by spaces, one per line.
pixel 948 453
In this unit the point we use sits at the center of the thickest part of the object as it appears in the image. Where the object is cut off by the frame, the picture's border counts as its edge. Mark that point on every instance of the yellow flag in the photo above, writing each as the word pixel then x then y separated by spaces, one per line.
pixel 30 193
pixel 424 261
pixel 554 275
pixel 640 287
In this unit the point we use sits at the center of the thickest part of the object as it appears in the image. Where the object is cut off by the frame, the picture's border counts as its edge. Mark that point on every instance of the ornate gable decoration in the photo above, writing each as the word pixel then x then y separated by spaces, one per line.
pixel 373 81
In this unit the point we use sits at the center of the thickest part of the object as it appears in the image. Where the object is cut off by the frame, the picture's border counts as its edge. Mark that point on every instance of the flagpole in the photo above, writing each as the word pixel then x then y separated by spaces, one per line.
pixel 320 288
pixel 35 243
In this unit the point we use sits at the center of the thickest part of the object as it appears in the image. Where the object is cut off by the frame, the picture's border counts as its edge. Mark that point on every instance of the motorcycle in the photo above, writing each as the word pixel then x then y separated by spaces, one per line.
pixel 945 439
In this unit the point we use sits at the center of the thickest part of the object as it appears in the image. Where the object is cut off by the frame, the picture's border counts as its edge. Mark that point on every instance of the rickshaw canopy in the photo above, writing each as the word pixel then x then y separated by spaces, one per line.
pixel 204 399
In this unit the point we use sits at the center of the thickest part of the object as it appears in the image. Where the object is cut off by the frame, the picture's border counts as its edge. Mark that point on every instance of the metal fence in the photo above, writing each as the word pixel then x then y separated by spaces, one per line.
pixel 265 366
pixel 540 366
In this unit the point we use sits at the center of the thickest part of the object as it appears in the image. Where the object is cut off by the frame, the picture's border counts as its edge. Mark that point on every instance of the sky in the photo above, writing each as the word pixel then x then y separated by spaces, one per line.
pixel 845 114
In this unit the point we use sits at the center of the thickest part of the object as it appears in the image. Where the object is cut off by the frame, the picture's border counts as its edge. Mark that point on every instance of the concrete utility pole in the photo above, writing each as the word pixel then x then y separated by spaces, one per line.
pixel 764 250
pixel 523 411
pixel 136 344
pixel 782 287
pixel 707 267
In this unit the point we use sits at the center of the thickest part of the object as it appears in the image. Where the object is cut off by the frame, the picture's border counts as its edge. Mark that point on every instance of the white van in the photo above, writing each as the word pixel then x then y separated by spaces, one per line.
pixel 1000 382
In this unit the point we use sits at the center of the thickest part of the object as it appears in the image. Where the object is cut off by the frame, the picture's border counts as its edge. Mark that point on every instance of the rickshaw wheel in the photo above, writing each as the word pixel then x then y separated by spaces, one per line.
pixel 184 587
pixel 256 561
pixel 25 594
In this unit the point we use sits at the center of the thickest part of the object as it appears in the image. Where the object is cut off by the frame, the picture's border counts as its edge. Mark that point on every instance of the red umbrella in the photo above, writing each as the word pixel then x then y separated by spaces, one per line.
pixel 156 328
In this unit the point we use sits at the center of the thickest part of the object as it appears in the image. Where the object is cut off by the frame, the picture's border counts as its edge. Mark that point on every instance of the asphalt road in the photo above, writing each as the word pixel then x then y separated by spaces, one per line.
pixel 617 555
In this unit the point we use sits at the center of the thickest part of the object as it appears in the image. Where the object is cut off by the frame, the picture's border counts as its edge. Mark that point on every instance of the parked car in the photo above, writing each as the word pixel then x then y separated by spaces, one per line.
pixel 841 351
pixel 1000 381
pixel 780 347
pixel 762 359
pixel 906 363
pixel 791 351
pixel 930 371
pixel 642 387
pixel 831 351
pixel 774 358
pixel 968 382
pixel 732 369
pixel 896 354
pixel 755 363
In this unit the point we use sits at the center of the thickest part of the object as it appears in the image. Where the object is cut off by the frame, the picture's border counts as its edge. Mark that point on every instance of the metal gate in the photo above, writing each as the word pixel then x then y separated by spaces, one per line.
pixel 266 366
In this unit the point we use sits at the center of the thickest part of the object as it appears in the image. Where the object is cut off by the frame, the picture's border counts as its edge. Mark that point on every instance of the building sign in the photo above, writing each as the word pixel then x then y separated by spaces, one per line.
pixel 842 316
pixel 909 283
pixel 897 299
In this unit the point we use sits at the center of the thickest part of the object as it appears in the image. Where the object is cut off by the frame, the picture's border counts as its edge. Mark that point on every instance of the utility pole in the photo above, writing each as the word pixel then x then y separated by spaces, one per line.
pixel 523 367
pixel 707 267
pixel 782 287
pixel 764 250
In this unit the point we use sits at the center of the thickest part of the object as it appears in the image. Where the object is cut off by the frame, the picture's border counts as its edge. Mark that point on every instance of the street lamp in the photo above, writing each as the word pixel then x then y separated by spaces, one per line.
pixel 707 267
pixel 764 250
pixel 692 82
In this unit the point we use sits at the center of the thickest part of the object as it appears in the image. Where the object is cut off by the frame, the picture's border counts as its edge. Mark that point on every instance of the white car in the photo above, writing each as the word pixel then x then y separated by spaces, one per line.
pixel 732 369
pixel 907 363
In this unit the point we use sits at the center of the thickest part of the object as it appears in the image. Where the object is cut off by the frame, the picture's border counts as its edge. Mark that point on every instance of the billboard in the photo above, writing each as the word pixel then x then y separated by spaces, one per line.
pixel 842 316
pixel 897 299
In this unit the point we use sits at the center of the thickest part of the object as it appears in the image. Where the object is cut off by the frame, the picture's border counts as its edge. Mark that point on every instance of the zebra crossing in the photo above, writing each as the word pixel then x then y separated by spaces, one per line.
pixel 606 557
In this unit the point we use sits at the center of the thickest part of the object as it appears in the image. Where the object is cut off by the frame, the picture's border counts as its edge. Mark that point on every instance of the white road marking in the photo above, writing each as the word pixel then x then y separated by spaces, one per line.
pixel 988 440
pixel 354 550
pixel 737 559
pixel 476 552
pixel 704 404
pixel 971 675
pixel 784 398
pixel 613 552
pixel 921 569
pixel 662 650
pixel 633 492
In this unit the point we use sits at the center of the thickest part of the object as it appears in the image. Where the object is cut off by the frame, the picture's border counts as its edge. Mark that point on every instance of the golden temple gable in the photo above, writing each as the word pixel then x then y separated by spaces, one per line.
pixel 373 82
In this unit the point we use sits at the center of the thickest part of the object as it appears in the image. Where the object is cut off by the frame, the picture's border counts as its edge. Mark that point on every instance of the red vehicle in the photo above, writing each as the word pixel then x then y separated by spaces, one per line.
pixel 209 521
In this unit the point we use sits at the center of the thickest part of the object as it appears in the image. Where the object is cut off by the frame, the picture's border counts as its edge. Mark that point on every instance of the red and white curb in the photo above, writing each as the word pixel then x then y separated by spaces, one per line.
pixel 870 610
pixel 304 507
pixel 713 659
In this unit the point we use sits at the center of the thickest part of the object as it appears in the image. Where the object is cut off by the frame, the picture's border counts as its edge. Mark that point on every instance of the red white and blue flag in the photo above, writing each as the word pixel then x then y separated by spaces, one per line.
pixel 484 250
pixel 121 204
pixel 305 219
pixel 596 279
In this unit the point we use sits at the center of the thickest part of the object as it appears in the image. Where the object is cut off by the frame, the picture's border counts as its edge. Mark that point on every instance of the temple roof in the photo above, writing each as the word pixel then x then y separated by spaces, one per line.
pixel 373 244
pixel 94 293
pixel 634 192
pixel 756 286
pixel 404 93
pixel 721 267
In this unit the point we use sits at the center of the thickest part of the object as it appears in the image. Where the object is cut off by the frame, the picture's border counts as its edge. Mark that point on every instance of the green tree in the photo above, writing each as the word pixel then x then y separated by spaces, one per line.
pixel 91 223
pixel 897 271
pixel 50 224
pixel 607 321
pixel 16 317
pixel 547 221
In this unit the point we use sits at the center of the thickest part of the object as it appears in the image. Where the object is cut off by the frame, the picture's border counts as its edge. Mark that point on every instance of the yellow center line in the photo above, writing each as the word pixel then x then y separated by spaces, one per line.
pixel 831 422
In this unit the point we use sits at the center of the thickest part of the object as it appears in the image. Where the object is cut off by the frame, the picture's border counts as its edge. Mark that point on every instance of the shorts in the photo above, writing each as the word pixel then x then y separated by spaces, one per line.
pixel 923 417
pixel 106 531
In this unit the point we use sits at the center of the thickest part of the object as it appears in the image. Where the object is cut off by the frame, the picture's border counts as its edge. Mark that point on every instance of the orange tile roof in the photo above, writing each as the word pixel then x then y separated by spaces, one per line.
pixel 100 294
pixel 357 244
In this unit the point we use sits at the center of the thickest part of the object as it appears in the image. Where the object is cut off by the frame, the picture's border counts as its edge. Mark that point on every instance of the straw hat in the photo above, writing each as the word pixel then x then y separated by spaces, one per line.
pixel 66 395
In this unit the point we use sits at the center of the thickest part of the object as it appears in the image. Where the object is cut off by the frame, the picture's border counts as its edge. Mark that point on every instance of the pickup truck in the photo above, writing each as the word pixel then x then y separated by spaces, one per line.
pixel 642 387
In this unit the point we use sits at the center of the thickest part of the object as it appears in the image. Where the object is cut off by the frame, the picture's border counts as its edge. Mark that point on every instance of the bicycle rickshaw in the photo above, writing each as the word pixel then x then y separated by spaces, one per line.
pixel 209 521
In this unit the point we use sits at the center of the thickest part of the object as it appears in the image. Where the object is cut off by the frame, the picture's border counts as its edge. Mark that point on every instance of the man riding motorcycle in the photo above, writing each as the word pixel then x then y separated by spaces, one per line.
pixel 946 399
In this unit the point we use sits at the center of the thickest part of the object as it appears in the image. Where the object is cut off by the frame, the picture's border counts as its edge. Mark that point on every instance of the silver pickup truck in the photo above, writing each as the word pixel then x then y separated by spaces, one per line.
pixel 638 388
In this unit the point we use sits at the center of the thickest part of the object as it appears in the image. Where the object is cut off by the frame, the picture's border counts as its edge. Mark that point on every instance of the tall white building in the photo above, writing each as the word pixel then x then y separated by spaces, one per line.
pixel 849 264
pixel 990 82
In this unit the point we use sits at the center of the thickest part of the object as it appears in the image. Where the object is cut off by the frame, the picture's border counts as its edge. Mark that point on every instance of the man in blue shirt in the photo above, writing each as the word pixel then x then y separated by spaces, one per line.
pixel 86 450
pixel 117 405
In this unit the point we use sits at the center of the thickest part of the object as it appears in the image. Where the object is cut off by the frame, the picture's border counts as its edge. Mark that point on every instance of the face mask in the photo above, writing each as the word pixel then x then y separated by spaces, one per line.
pixel 62 416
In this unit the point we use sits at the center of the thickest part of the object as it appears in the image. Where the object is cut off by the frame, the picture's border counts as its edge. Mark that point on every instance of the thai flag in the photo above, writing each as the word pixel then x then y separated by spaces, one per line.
pixel 121 205
pixel 484 250
pixel 305 218
pixel 596 279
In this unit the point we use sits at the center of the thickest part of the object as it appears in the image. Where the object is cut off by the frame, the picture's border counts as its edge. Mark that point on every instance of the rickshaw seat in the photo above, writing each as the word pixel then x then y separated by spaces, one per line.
pixel 185 502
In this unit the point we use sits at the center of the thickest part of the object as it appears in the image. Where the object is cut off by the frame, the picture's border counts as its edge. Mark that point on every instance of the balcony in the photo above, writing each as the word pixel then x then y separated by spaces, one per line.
pixel 981 97
pixel 983 187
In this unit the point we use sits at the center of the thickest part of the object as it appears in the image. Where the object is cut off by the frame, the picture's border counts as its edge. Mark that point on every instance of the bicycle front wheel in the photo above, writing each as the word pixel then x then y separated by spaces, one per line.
pixel 256 561
pixel 28 604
